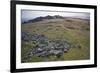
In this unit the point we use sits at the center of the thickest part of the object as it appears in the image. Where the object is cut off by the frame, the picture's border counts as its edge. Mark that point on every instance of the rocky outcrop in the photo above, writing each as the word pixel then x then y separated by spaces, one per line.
pixel 46 47
pixel 43 18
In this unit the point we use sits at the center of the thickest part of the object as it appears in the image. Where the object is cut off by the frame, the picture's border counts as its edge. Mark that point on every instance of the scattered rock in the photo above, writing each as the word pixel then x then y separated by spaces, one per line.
pixel 46 47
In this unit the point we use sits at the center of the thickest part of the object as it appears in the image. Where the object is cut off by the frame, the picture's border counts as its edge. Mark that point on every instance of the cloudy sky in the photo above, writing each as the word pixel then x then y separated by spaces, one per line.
pixel 31 14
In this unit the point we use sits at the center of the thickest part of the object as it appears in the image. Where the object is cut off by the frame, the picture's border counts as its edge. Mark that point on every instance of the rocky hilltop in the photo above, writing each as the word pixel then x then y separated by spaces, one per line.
pixel 44 18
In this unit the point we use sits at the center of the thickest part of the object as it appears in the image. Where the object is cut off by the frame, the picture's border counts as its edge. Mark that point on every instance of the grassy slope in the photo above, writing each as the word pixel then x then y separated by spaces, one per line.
pixel 71 30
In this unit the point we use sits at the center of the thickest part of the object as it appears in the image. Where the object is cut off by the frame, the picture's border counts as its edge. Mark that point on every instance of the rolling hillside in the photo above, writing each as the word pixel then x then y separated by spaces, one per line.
pixel 72 30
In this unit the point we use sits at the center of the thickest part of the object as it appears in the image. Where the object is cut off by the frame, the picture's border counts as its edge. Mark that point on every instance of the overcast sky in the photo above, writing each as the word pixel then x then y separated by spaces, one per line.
pixel 31 14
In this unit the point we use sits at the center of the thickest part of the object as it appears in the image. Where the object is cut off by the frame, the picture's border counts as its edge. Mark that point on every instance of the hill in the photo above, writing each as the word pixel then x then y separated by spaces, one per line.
pixel 43 18
pixel 73 30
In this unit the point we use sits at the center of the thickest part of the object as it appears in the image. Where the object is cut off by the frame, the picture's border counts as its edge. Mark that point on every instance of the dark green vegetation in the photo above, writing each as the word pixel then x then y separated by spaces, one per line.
pixel 71 30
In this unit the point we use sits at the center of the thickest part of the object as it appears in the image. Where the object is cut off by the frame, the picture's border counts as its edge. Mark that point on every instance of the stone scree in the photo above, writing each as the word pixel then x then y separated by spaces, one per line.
pixel 45 47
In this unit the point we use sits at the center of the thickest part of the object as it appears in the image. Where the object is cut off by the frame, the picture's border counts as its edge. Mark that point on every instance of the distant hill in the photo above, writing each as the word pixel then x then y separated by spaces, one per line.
pixel 38 19
pixel 43 18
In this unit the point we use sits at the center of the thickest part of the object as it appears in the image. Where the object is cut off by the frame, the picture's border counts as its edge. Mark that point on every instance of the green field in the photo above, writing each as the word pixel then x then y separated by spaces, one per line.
pixel 73 30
